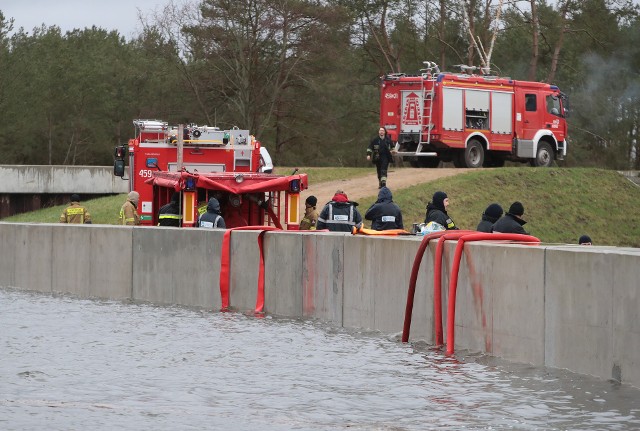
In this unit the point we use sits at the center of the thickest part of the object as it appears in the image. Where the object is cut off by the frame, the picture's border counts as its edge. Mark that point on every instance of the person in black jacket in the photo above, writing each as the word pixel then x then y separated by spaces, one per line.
pixel 170 214
pixel 489 217
pixel 212 218
pixel 384 213
pixel 339 215
pixel 437 211
pixel 380 153
pixel 512 221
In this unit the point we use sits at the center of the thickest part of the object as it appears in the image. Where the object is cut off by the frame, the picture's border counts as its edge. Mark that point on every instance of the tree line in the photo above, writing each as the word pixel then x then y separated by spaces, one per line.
pixel 303 75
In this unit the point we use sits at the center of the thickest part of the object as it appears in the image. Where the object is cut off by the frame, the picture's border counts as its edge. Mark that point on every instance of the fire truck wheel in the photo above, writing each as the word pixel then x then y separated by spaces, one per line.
pixel 544 156
pixel 474 154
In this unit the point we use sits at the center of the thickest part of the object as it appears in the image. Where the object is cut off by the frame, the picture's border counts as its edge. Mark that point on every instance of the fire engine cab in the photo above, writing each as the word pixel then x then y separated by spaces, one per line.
pixel 473 120
pixel 200 162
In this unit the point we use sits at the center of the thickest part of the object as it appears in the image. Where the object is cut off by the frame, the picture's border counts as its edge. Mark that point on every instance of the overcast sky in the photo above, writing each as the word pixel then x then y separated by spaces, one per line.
pixel 121 15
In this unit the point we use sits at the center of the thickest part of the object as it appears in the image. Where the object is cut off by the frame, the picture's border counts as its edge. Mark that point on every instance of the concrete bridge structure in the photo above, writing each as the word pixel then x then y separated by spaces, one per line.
pixel 572 307
pixel 31 187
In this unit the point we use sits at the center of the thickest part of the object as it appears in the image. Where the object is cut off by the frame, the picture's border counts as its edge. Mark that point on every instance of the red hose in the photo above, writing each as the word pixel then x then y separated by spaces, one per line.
pixel 453 279
pixel 437 281
pixel 412 282
pixel 225 258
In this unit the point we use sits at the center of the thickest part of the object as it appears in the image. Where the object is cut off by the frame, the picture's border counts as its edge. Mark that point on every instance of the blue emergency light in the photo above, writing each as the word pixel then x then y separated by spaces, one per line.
pixel 152 162
pixel 294 186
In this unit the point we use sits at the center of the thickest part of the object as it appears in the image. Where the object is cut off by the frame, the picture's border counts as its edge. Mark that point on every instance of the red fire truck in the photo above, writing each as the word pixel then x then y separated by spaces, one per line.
pixel 201 162
pixel 473 120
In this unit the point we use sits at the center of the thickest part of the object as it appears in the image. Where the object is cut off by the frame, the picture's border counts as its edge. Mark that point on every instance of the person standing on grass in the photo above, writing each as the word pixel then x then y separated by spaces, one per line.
pixel 339 215
pixel 512 221
pixel 437 211
pixel 128 213
pixel 75 213
pixel 384 213
pixel 491 215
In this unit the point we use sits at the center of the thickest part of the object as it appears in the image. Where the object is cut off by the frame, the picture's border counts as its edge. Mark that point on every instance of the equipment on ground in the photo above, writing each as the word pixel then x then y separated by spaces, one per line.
pixel 201 162
pixel 473 120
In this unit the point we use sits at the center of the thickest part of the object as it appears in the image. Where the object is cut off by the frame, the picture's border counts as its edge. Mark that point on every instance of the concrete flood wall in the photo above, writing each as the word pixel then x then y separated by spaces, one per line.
pixel 561 306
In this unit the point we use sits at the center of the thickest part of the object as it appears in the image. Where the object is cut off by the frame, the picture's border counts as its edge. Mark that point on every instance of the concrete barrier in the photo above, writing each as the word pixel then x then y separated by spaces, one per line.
pixel 60 179
pixel 560 306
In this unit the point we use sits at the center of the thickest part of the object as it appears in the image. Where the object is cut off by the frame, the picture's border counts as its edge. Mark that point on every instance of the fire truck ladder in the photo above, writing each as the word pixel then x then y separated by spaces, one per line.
pixel 427 110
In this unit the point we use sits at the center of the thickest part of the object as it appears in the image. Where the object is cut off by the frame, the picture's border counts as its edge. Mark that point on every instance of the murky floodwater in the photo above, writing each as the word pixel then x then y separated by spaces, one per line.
pixel 70 364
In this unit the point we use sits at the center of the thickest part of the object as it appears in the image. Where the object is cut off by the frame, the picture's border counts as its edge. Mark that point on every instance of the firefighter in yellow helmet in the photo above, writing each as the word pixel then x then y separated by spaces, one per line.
pixel 128 214
pixel 75 213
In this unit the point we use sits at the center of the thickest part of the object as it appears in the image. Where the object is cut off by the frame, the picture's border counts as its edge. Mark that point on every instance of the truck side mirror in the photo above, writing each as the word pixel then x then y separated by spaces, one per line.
pixel 118 168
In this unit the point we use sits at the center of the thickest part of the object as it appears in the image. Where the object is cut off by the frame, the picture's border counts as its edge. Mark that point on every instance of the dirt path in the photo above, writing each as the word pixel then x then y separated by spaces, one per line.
pixel 361 187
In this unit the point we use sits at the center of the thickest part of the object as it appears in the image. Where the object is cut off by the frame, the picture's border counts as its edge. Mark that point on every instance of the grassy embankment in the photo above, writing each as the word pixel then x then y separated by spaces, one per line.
pixel 560 204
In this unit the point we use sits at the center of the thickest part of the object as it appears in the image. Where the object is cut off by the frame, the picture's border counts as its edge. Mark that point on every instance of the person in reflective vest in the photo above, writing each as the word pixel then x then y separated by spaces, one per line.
pixel 339 215
pixel 128 213
pixel 384 213
pixel 212 219
pixel 170 214
pixel 75 213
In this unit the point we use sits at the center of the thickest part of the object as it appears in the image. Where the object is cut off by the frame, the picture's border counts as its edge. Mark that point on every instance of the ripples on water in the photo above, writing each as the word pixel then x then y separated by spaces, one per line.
pixel 72 364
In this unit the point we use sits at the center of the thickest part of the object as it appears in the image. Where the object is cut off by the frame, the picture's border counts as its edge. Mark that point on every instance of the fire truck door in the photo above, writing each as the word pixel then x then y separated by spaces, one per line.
pixel 528 117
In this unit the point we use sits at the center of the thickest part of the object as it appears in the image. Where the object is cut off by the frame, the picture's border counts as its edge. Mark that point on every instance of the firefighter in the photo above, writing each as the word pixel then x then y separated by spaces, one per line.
pixel 128 213
pixel 384 213
pixel 512 221
pixel 171 214
pixel 75 213
pixel 310 219
pixel 340 215
pixel 437 211
pixel 380 153
pixel 212 218
pixel 489 217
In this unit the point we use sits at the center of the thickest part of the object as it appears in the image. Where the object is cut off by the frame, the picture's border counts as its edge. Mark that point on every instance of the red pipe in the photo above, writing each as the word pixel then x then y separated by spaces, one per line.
pixel 437 281
pixel 412 282
pixel 225 258
pixel 453 279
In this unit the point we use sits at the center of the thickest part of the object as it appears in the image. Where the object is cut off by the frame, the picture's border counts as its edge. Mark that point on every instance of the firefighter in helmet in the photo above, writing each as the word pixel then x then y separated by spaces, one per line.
pixel 380 154
pixel 75 213
pixel 128 213
pixel 171 214
pixel 310 219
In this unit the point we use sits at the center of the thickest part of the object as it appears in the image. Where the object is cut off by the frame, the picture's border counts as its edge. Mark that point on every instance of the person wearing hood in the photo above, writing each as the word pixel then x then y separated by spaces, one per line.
pixel 512 221
pixel 340 214
pixel 75 213
pixel 171 214
pixel 491 215
pixel 384 213
pixel 128 213
pixel 437 211
pixel 212 218
pixel 310 219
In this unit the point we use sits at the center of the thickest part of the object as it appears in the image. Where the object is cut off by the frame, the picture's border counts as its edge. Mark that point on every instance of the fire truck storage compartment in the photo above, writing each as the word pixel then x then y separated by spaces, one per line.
pixel 477 109
pixel 501 119
pixel 452 109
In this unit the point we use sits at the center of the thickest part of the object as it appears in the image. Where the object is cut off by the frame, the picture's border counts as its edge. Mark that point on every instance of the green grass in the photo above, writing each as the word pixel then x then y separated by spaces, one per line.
pixel 105 210
pixel 560 204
